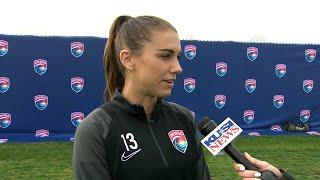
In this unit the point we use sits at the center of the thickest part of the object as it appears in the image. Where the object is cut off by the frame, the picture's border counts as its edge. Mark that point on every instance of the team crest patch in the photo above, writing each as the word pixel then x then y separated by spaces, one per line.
pixel 248 116
pixel 40 66
pixel 250 85
pixel 41 101
pixel 221 68
pixel 77 118
pixel 307 86
pixel 280 70
pixel 252 53
pixel 189 84
pixel 4 46
pixel 304 115
pixel 4 84
pixel 77 84
pixel 190 51
pixel 310 54
pixel 5 120
pixel 220 101
pixel 278 101
pixel 77 49
pixel 178 140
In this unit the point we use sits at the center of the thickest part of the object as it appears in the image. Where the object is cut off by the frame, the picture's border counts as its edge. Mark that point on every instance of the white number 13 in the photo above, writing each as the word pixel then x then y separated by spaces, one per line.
pixel 133 143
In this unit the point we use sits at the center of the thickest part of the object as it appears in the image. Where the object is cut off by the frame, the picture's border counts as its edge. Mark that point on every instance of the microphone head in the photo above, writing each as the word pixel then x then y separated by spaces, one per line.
pixel 206 125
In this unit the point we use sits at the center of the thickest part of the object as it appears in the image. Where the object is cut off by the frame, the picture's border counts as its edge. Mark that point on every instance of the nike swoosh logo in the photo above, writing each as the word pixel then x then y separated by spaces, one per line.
pixel 126 158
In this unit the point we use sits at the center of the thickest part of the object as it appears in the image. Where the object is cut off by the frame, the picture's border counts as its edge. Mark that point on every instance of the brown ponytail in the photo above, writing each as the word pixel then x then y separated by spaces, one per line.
pixel 113 71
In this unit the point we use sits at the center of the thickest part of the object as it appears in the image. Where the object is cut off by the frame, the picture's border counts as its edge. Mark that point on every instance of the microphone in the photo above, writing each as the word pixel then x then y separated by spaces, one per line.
pixel 207 125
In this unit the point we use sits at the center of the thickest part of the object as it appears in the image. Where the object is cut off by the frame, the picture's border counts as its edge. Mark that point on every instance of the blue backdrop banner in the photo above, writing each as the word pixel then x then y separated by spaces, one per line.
pixel 49 84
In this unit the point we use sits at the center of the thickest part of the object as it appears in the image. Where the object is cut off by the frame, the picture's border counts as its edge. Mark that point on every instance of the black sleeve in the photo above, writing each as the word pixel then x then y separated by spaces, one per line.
pixel 89 158
pixel 285 175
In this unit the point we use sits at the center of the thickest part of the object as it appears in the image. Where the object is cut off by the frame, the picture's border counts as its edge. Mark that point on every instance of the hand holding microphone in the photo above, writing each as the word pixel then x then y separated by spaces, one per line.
pixel 219 138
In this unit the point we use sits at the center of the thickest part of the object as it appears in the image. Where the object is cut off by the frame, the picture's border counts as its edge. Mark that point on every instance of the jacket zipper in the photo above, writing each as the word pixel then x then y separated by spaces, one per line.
pixel 157 144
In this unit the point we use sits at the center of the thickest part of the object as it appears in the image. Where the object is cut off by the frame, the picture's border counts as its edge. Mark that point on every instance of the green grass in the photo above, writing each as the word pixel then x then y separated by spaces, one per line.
pixel 298 155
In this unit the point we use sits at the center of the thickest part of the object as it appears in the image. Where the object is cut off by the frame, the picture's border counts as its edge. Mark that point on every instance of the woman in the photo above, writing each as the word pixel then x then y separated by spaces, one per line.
pixel 136 135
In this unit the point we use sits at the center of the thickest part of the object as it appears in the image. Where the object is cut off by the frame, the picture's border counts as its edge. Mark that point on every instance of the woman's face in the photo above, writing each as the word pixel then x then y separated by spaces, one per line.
pixel 157 65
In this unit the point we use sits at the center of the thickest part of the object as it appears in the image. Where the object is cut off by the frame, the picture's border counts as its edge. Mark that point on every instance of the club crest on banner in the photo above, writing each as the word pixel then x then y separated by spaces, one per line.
pixel 42 133
pixel 220 101
pixel 4 46
pixel 189 84
pixel 2 141
pixel 5 120
pixel 77 84
pixel 307 86
pixel 77 118
pixel 41 101
pixel 280 70
pixel 250 85
pixel 40 66
pixel 178 140
pixel 252 53
pixel 310 54
pixel 77 49
pixel 248 116
pixel 254 133
pixel 276 128
pixel 190 51
pixel 305 115
pixel 278 101
pixel 4 84
pixel 221 68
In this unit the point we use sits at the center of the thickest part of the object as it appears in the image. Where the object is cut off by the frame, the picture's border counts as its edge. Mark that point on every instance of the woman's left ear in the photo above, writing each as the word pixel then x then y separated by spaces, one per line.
pixel 126 59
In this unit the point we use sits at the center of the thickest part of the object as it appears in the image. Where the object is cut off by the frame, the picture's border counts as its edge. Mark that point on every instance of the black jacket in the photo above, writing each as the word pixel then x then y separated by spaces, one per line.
pixel 116 141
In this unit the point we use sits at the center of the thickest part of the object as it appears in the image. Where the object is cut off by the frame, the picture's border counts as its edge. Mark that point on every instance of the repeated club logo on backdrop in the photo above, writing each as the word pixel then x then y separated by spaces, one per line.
pixel 4 84
pixel 190 51
pixel 278 101
pixel 276 127
pixel 77 118
pixel 310 54
pixel 248 116
pixel 250 85
pixel 307 86
pixel 4 46
pixel 5 120
pixel 221 68
pixel 77 49
pixel 252 53
pixel 220 100
pixel 42 133
pixel 40 66
pixel 304 115
pixel 178 140
pixel 41 101
pixel 189 84
pixel 280 70
pixel 77 84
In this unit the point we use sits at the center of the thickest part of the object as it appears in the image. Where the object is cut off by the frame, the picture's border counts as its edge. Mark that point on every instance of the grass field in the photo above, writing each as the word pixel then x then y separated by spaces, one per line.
pixel 299 155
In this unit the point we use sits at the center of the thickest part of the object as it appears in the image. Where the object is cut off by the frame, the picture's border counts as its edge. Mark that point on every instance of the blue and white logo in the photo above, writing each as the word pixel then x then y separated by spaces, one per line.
pixel 77 84
pixel 221 68
pixel 77 118
pixel 250 85
pixel 278 101
pixel 189 84
pixel 190 51
pixel 220 101
pixel 77 49
pixel 4 84
pixel 310 54
pixel 248 116
pixel 41 101
pixel 307 86
pixel 40 66
pixel 280 70
pixel 4 46
pixel 5 120
pixel 304 115
pixel 252 53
